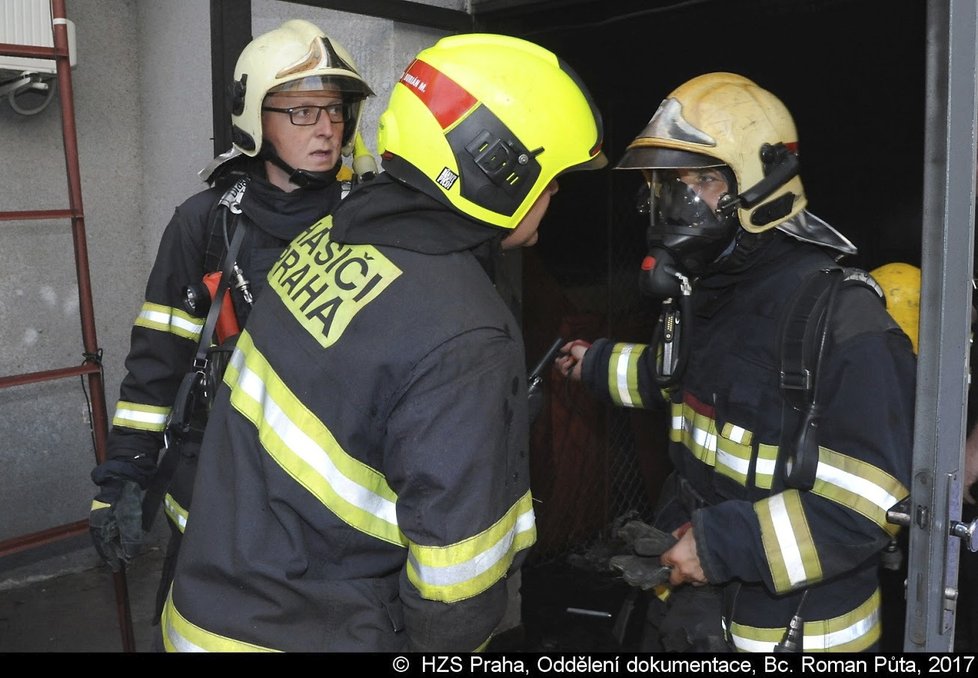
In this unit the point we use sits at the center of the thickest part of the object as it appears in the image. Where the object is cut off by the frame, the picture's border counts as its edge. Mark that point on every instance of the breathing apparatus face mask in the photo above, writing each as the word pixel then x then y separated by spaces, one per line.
pixel 692 222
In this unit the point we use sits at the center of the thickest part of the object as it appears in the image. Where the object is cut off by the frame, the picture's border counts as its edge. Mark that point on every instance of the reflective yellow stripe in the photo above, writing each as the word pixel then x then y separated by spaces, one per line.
pixel 851 482
pixel 623 375
pixel 96 504
pixel 767 459
pixel 734 453
pixel 142 417
pixel 465 569
pixel 181 635
pixel 858 485
pixel 172 320
pixel 696 431
pixel 788 544
pixel 306 449
pixel 175 512
pixel 854 631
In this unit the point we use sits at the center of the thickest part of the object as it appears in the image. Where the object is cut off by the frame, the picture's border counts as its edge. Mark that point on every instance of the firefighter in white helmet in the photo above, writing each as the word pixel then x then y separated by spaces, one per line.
pixel 364 482
pixel 295 104
pixel 791 389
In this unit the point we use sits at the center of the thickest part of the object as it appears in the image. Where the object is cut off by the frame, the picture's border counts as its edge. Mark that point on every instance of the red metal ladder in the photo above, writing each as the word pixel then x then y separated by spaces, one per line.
pixel 91 368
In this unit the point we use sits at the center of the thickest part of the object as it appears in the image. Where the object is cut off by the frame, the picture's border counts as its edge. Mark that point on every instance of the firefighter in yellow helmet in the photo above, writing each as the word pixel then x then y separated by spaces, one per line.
pixel 364 482
pixel 295 112
pixel 790 388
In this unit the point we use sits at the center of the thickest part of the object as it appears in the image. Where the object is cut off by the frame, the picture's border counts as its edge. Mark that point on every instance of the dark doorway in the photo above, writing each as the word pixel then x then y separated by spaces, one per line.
pixel 853 74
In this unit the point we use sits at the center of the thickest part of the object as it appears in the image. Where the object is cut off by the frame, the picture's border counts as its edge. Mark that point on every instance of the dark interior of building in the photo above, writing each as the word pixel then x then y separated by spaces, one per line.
pixel 853 74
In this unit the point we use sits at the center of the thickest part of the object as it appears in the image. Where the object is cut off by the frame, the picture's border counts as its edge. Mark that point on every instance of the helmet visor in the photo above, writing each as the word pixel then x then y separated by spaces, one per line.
pixel 320 83
pixel 688 197
pixel 686 216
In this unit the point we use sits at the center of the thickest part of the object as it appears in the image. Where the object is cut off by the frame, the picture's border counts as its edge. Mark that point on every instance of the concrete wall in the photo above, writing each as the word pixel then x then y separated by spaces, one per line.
pixel 142 98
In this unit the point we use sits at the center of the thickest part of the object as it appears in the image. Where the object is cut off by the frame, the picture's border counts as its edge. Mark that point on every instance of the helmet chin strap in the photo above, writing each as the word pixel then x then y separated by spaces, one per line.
pixel 300 177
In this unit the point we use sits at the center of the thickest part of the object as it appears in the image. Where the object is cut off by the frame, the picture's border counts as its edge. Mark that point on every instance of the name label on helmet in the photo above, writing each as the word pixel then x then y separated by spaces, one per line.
pixel 325 284
pixel 446 99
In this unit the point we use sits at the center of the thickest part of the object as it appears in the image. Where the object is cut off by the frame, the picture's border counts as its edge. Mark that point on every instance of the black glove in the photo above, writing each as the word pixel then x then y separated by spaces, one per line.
pixel 116 519
pixel 642 568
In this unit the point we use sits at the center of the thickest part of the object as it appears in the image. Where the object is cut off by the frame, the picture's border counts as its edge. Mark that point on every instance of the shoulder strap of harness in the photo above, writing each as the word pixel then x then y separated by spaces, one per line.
pixel 194 384
pixel 218 232
pixel 804 337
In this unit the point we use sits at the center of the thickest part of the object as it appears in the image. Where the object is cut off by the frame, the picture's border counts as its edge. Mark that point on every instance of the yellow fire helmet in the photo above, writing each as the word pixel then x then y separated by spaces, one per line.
pixel 296 56
pixel 483 123
pixel 721 119
pixel 901 287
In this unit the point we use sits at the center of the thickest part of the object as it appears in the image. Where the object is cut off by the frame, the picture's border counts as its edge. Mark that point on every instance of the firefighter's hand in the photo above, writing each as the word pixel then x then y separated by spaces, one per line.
pixel 117 527
pixel 116 519
pixel 571 357
pixel 684 561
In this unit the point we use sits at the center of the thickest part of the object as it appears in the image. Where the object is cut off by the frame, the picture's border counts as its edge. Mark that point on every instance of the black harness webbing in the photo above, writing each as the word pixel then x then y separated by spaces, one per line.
pixel 178 424
pixel 804 336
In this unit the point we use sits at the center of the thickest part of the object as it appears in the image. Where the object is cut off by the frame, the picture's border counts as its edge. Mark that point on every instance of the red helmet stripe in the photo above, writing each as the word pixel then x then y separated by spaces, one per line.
pixel 446 100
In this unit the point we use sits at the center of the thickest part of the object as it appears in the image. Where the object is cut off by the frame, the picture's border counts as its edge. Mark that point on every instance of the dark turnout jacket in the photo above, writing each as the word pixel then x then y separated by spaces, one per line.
pixel 165 335
pixel 363 484
pixel 767 543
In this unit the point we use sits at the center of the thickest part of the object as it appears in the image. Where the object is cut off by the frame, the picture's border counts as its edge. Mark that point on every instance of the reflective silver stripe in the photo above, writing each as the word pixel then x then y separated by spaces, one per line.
pixel 855 484
pixel 178 632
pixel 764 465
pixel 308 449
pixel 687 429
pixel 853 631
pixel 834 639
pixel 166 319
pixel 705 439
pixel 737 433
pixel 740 466
pixel 176 513
pixel 790 553
pixel 453 575
pixel 178 643
pixel 352 490
pixel 467 568
pixel 125 416
pixel 621 376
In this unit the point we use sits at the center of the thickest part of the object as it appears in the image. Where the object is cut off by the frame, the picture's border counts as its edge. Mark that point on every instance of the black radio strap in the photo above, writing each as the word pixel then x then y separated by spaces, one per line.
pixel 178 424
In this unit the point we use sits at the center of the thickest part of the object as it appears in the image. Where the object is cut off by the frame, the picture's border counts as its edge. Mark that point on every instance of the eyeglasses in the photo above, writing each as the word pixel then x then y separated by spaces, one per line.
pixel 309 115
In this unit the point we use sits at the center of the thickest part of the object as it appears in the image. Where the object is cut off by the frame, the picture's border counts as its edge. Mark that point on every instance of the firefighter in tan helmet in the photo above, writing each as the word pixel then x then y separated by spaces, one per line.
pixel 790 388
pixel 295 109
